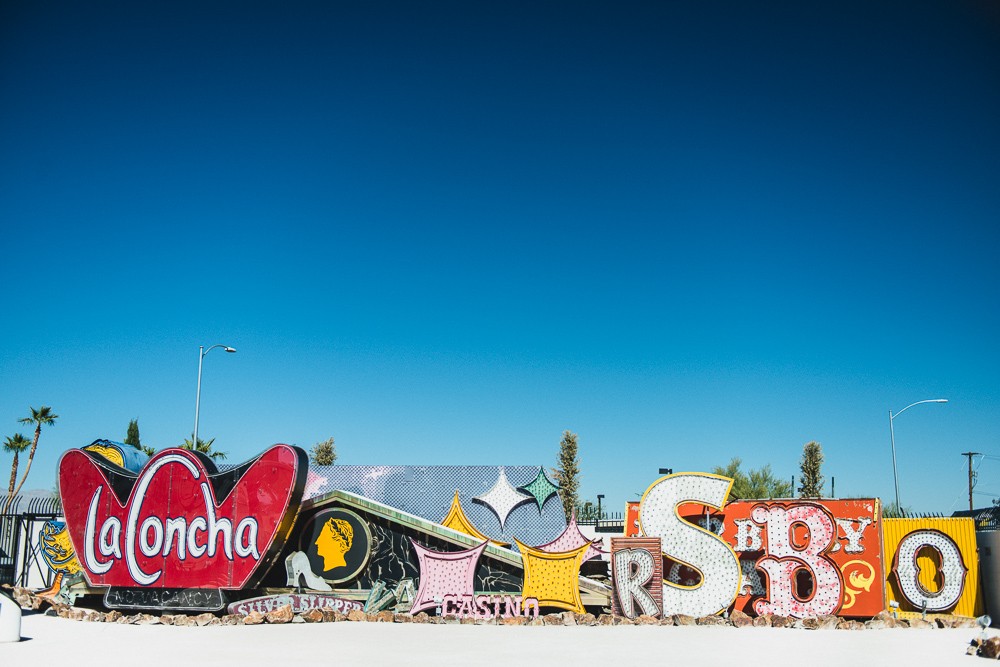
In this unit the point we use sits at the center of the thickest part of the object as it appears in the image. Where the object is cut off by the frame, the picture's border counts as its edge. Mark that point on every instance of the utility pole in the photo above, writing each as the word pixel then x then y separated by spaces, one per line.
pixel 972 475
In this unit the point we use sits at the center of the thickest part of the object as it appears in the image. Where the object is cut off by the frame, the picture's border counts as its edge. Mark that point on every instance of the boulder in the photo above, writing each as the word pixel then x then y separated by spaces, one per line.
pixel 820 623
pixel 711 620
pixel 740 619
pixel 781 621
pixel 402 618
pixel 585 619
pixel 990 648
pixel 514 620
pixel 206 618
pixel 569 618
pixel 312 616
pixel 356 615
pixel 421 617
pixel 280 615
pixel 647 620
pixel 763 621
pixel 922 624
pixel 253 618
pixel 684 619
pixel 384 616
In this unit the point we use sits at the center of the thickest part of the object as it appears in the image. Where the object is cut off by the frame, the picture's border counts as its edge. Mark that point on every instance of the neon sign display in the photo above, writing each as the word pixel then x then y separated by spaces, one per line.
pixel 180 523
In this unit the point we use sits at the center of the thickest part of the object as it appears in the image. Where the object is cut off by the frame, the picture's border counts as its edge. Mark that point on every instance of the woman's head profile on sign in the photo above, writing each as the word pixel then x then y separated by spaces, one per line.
pixel 335 539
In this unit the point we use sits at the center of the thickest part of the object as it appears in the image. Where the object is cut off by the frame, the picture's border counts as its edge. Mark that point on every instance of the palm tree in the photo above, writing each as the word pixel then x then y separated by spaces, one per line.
pixel 205 447
pixel 15 444
pixel 41 417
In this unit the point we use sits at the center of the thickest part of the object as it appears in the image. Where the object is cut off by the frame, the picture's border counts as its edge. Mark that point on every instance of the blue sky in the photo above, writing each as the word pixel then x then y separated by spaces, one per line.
pixel 444 233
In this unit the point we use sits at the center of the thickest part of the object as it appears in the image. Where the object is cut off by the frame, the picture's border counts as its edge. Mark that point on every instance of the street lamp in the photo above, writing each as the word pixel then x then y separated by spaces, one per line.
pixel 197 400
pixel 892 439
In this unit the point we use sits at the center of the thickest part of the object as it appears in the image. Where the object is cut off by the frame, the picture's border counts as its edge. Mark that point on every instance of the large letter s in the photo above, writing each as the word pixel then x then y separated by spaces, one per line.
pixel 696 547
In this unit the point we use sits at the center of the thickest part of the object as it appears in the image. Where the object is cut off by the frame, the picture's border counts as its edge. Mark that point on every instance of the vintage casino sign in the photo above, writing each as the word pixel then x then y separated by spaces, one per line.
pixel 179 524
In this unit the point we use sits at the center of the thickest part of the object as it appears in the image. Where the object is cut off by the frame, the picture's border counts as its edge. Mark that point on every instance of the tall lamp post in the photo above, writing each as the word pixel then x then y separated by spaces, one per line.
pixel 197 399
pixel 892 439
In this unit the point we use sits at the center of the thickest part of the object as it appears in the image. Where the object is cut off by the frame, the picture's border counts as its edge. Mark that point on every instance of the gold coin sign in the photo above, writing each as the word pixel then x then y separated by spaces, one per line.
pixel 338 544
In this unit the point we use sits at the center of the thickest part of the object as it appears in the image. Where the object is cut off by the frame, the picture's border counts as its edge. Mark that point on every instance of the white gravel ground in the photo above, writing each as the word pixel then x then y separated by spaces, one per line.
pixel 48 639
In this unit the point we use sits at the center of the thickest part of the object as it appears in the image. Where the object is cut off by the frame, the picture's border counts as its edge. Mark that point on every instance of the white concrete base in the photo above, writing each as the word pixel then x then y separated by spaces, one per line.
pixel 10 620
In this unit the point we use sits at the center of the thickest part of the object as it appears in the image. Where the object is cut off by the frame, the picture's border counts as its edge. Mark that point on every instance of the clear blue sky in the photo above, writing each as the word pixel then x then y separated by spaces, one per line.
pixel 443 233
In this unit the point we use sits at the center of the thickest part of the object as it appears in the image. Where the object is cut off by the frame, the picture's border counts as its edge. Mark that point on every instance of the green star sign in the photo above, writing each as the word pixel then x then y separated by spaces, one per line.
pixel 541 488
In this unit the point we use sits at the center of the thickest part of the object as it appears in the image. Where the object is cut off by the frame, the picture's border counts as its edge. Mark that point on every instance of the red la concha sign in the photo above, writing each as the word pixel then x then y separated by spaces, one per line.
pixel 180 523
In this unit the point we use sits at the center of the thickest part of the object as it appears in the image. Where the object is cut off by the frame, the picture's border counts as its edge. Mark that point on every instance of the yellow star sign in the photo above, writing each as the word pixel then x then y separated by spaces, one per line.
pixel 553 578
pixel 456 520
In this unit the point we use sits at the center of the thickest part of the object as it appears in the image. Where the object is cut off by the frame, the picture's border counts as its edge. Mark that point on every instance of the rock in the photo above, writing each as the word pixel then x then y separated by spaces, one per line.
pixel 605 619
pixel 112 616
pixel 888 620
pixel 253 618
pixel 201 620
pixel 402 618
pixel 385 616
pixel 646 620
pixel 850 624
pixel 356 615
pixel 781 621
pixel 683 619
pixel 711 620
pixel 963 622
pixel 450 619
pixel 95 617
pixel 876 624
pixel 422 617
pixel 922 624
pixel 585 619
pixel 467 620
pixel 232 619
pixel 902 623
pixel 514 620
pixel 569 618
pixel 312 616
pixel 22 596
pixel 820 623
pixel 552 619
pixel 944 622
pixel 762 621
pixel 183 620
pixel 990 648
pixel 740 619
pixel 149 619
pixel 133 619
pixel 536 621
pixel 280 615
pixel 298 619
pixel 624 620
pixel 76 614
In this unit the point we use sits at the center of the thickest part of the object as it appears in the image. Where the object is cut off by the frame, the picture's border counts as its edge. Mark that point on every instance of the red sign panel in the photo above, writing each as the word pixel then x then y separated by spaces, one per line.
pixel 180 523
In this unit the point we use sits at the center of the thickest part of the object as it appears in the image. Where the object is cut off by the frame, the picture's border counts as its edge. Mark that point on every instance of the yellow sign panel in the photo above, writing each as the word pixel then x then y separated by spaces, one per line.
pixel 932 565
pixel 553 578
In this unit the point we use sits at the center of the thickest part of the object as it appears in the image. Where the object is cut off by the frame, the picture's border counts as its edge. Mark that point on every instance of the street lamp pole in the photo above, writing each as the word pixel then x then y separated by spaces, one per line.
pixel 892 439
pixel 197 399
